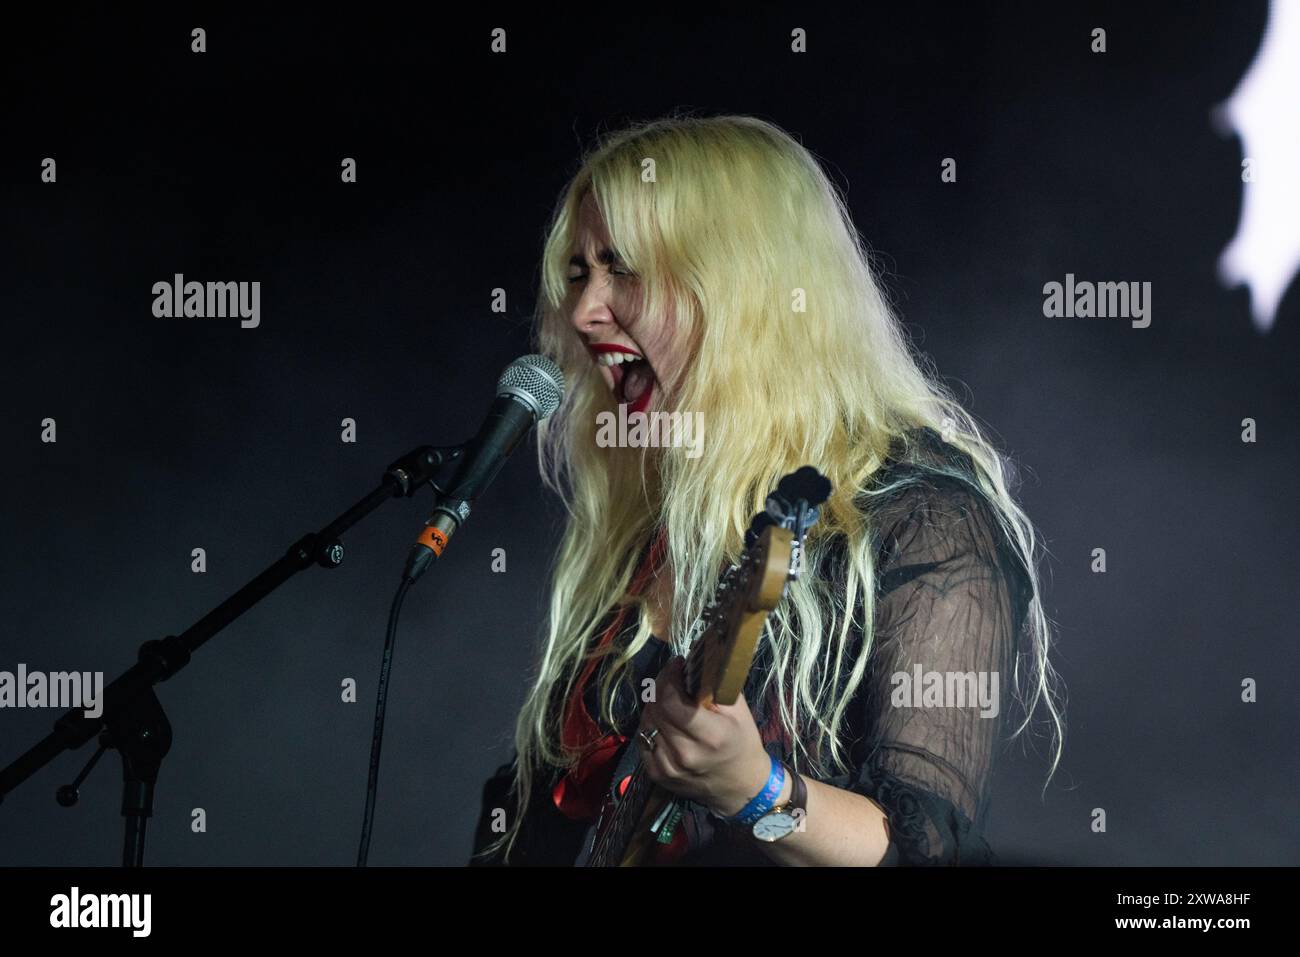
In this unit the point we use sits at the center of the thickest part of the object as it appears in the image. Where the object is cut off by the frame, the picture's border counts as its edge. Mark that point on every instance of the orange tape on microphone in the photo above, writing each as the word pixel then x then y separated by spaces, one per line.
pixel 434 538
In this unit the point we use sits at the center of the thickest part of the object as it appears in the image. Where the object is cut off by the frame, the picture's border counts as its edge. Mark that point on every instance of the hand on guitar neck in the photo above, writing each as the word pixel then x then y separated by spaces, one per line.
pixel 709 753
pixel 720 744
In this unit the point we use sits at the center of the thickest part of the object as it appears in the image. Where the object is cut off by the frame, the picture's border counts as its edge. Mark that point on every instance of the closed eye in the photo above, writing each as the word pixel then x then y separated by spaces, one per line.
pixel 612 271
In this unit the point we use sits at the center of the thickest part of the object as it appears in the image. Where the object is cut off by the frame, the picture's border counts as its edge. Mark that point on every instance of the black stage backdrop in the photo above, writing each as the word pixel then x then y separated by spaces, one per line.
pixel 176 434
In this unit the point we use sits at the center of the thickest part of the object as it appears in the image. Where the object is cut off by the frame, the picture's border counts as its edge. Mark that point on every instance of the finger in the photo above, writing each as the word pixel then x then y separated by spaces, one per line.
pixel 660 761
pixel 671 699
pixel 739 707
pixel 653 715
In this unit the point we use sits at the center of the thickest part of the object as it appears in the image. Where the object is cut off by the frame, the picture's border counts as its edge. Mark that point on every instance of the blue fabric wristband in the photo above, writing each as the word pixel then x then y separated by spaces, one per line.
pixel 764 800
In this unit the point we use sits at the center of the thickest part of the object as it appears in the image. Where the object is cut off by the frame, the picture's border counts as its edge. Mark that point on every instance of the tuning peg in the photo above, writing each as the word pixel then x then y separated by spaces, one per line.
pixel 805 483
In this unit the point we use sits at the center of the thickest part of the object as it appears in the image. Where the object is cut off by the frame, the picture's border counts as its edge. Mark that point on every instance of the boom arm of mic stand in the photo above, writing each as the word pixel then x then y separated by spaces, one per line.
pixel 159 660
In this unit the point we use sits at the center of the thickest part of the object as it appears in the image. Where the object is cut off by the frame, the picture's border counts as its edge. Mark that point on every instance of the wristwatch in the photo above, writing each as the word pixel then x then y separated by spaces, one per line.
pixel 782 820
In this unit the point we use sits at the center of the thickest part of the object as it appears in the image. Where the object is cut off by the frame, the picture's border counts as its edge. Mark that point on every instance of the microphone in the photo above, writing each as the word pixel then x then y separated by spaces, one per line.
pixel 528 391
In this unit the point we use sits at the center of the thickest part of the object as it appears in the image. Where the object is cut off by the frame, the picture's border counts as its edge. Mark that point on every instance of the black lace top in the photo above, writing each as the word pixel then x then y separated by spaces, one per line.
pixel 927 719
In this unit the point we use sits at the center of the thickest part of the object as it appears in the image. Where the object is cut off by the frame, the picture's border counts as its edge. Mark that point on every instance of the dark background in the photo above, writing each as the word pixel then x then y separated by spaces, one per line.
pixel 177 433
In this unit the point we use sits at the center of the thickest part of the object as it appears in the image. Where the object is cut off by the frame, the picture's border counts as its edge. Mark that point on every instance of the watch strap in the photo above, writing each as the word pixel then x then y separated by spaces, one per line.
pixel 799 795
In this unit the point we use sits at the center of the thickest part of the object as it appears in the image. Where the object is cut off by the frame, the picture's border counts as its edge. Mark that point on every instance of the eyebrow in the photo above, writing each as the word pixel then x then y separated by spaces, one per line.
pixel 606 257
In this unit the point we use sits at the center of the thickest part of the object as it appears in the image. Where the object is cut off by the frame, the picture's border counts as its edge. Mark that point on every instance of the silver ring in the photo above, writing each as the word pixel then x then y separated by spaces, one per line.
pixel 648 739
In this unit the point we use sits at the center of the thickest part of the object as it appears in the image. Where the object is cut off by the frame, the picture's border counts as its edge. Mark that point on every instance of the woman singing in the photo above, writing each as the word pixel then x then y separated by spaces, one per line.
pixel 708 267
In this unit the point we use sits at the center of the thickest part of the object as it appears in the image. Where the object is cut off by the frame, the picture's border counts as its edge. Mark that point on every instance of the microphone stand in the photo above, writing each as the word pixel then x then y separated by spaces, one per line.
pixel 132 720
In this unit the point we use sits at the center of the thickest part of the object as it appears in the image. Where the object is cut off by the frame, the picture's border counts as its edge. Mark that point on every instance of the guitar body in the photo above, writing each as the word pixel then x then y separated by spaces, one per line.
pixel 641 843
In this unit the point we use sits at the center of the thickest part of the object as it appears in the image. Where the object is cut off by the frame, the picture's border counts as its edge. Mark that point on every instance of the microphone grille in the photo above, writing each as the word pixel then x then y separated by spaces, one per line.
pixel 536 380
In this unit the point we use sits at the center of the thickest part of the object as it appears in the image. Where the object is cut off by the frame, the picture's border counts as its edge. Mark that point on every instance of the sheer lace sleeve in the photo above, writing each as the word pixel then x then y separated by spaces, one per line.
pixel 948 613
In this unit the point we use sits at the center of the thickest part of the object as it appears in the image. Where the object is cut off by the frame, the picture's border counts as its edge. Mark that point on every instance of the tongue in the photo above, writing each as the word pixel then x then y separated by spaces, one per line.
pixel 636 379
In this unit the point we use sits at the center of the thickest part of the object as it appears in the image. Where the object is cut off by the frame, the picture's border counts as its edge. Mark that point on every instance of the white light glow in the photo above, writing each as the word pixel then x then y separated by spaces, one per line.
pixel 1265 112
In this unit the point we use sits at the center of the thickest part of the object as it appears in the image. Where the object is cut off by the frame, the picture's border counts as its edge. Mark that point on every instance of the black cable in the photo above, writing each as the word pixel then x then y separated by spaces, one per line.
pixel 377 740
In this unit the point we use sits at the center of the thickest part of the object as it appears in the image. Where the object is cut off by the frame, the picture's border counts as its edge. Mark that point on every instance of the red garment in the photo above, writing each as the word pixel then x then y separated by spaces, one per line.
pixel 580 793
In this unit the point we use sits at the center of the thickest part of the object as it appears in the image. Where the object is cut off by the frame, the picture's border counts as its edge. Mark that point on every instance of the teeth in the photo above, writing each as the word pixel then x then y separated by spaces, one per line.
pixel 615 358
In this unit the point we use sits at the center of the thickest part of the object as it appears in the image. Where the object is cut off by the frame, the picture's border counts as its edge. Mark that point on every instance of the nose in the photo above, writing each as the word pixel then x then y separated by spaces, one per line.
pixel 592 316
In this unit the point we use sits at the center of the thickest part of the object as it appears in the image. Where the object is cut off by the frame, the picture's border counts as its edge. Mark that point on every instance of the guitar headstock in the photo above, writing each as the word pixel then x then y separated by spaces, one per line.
pixel 721 656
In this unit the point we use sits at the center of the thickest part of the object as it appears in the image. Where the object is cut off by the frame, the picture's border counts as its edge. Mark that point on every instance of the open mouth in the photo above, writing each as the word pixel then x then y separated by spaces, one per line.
pixel 633 378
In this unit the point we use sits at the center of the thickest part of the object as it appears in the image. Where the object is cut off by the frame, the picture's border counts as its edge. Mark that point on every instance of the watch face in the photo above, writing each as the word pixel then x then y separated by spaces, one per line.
pixel 773 827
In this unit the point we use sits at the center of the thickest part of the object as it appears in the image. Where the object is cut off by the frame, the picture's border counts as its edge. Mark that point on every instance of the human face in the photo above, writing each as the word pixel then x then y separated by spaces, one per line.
pixel 636 353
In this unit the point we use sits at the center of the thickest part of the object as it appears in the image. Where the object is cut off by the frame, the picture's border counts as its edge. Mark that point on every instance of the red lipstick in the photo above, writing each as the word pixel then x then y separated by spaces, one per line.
pixel 643 376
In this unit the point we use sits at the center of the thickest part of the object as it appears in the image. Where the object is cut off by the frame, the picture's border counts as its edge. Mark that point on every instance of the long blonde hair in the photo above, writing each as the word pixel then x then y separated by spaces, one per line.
pixel 733 224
